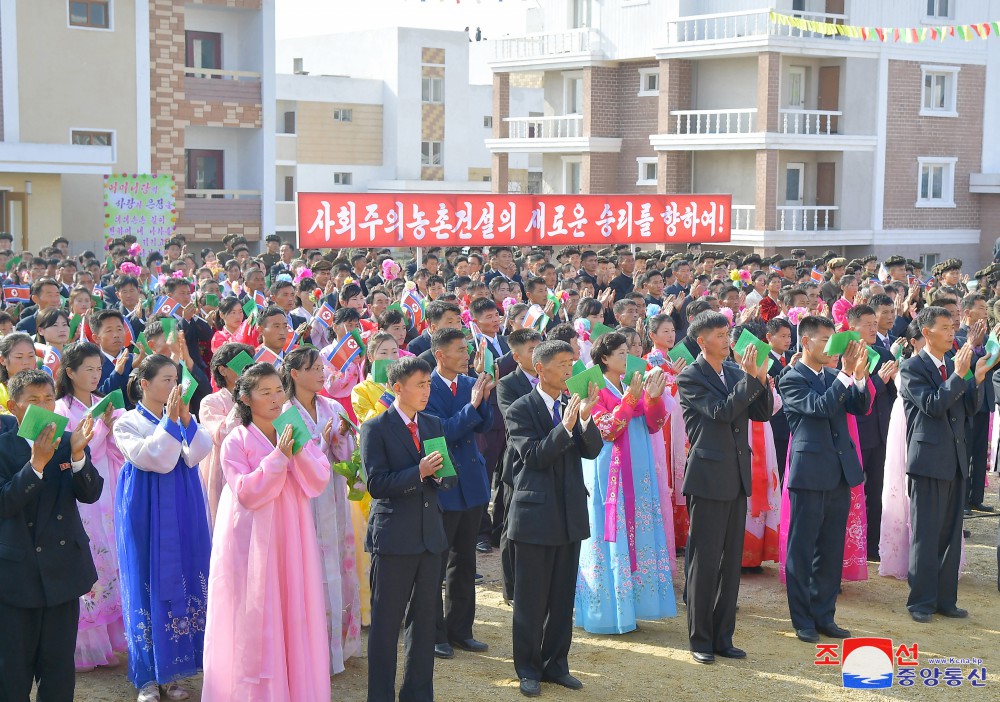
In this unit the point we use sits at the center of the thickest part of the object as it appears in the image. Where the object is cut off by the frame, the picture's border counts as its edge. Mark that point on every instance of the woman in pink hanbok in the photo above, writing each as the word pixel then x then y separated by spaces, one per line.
pixel 218 417
pixel 302 377
pixel 760 538
pixel 265 636
pixel 102 632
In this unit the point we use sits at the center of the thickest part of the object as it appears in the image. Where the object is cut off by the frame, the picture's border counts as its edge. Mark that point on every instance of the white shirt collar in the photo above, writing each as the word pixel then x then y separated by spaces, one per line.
pixel 937 361
pixel 549 401
pixel 402 414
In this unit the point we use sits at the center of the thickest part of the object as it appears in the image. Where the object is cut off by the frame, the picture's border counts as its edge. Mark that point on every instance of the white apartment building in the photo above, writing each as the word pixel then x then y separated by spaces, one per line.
pixel 390 110
pixel 824 142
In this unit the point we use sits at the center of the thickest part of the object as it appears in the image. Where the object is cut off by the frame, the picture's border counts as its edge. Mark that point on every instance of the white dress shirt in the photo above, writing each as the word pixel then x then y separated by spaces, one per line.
pixel 550 401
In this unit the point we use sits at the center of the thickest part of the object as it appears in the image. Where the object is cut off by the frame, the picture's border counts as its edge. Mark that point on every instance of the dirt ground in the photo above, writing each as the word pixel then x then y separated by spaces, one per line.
pixel 653 663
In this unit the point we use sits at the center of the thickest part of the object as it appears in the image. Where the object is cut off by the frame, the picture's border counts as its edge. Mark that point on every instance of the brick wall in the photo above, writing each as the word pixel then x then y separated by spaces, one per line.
pixel 908 135
pixel 638 118
pixel 766 194
pixel 768 72
pixel 501 130
pixel 599 174
pixel 600 102
pixel 673 167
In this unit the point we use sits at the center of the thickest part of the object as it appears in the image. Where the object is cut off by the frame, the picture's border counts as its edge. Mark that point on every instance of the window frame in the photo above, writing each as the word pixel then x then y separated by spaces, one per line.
pixel 936 16
pixel 429 80
pixel 644 73
pixel 190 35
pixel 641 176
pixel 112 134
pixel 340 175
pixel 951 90
pixel 487 121
pixel 430 153
pixel 188 164
pixel 947 199
pixel 567 162
pixel 339 114
pixel 109 15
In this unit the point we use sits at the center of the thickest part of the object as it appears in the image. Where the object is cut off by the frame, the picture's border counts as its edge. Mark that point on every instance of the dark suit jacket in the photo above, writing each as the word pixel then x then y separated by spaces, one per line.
pixel 111 381
pixel 460 422
pixel 873 428
pixel 989 394
pixel 935 417
pixel 511 387
pixel 27 325
pixel 44 549
pixel 549 504
pixel 717 420
pixel 420 344
pixel 8 422
pixel 816 407
pixel 405 515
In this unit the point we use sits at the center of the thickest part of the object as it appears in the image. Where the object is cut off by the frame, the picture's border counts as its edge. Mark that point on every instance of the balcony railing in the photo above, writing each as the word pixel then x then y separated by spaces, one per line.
pixel 737 25
pixel 807 218
pixel 214 194
pixel 742 217
pixel 714 121
pixel 221 206
pixel 547 44
pixel 817 122
pixel 216 84
pixel 561 127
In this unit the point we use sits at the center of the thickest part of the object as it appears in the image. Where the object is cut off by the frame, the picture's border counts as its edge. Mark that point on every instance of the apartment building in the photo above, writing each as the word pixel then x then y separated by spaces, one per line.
pixel 390 110
pixel 95 87
pixel 822 141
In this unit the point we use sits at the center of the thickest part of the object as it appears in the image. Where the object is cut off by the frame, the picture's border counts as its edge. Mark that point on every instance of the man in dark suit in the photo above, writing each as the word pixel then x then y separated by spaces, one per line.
pixel 822 469
pixel 108 328
pixel 516 384
pixel 692 310
pixel 438 315
pixel 45 561
pixel 44 295
pixel 779 337
pixel 718 398
pixel 461 405
pixel 974 309
pixel 548 516
pixel 937 400
pixel 405 535
pixel 873 427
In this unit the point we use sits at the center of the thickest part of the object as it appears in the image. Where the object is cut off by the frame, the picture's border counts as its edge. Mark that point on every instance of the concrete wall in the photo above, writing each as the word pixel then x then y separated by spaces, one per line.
pixel 724 83
pixel 726 172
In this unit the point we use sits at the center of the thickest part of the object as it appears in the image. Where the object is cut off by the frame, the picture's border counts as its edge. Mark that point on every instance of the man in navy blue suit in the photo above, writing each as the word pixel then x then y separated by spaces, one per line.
pixel 461 404
pixel 108 327
pixel 405 535
pixel 823 468
pixel 439 315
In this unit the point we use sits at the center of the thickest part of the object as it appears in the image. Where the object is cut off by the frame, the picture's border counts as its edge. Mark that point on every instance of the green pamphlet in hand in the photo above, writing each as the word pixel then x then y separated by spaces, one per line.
pixel 380 370
pixel 440 444
pixel 748 339
pixel 36 419
pixel 873 359
pixel 838 342
pixel 115 398
pixel 579 385
pixel 249 308
pixel 300 433
pixel 141 341
pixel 681 351
pixel 212 300
pixel 188 385
pixel 598 331
pixel 240 362
pixel 169 325
pixel 992 348
pixel 633 365
pixel 489 366
pixel 74 325
pixel 579 367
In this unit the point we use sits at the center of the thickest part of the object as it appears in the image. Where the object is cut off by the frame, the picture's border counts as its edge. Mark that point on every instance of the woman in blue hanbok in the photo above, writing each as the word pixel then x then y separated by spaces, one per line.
pixel 625 564
pixel 162 532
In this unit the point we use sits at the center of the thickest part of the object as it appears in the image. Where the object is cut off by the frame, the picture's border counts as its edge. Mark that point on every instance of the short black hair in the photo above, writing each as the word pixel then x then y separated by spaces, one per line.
pixel 809 325
pixel 605 346
pixel 443 337
pixel 706 321
pixel 98 320
pixel 547 350
pixel 562 332
pixel 518 339
pixel 26 379
pixel 400 371
pixel 698 307
pixel 776 324
pixel 434 311
pixel 482 305
pixel 929 315
pixel 880 300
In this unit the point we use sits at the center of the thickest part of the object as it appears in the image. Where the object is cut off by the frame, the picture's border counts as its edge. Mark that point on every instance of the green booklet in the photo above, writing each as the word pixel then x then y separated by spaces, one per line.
pixel 212 300
pixel 141 341
pixel 114 398
pixel 36 419
pixel 489 366
pixel 169 325
pixel 598 331
pixel 380 370
pixel 188 385
pixel 249 307
pixel 747 339
pixel 873 359
pixel 633 365
pixel 838 342
pixel 681 351
pixel 579 367
pixel 240 362
pixel 440 444
pixel 300 433
pixel 579 385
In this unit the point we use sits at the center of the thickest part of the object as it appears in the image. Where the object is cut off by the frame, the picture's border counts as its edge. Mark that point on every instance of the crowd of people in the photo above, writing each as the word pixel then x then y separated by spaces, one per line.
pixel 265 454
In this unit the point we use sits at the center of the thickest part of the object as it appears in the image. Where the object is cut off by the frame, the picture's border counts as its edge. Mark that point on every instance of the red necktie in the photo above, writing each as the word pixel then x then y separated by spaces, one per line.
pixel 412 426
pixel 944 372
pixel 783 361
pixel 454 387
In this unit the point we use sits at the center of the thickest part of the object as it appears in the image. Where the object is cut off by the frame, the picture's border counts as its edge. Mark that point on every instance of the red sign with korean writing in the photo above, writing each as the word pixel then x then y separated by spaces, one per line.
pixel 361 220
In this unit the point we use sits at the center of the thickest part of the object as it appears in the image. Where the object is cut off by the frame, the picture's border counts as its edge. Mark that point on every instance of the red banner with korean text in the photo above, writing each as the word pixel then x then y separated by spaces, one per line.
pixel 361 220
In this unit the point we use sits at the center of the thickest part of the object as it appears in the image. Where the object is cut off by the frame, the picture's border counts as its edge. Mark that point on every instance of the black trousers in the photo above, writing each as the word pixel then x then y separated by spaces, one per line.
pixel 38 643
pixel 403 586
pixel 458 573
pixel 977 441
pixel 873 460
pixel 545 588
pixel 492 445
pixel 815 561
pixel 712 570
pixel 507 547
pixel 935 552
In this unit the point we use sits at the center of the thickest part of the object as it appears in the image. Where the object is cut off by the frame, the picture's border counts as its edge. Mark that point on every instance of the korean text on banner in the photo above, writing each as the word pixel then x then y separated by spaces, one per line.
pixel 142 205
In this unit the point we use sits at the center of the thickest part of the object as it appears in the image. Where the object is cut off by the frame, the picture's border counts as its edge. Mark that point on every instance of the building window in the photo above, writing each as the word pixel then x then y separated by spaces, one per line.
pixel 939 9
pixel 488 179
pixel 91 138
pixel 203 50
pixel 647 170
pixel 342 179
pixel 936 182
pixel 343 115
pixel 93 14
pixel 432 89
pixel 572 175
pixel 929 260
pixel 204 170
pixel 939 91
pixel 649 82
pixel 430 153
pixel 488 122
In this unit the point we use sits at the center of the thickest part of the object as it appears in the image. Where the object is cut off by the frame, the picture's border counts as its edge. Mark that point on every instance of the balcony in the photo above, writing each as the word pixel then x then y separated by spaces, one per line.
pixel 218 85
pixel 742 217
pixel 739 128
pixel 750 31
pixel 806 218
pixel 551 134
pixel 547 50
pixel 221 206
